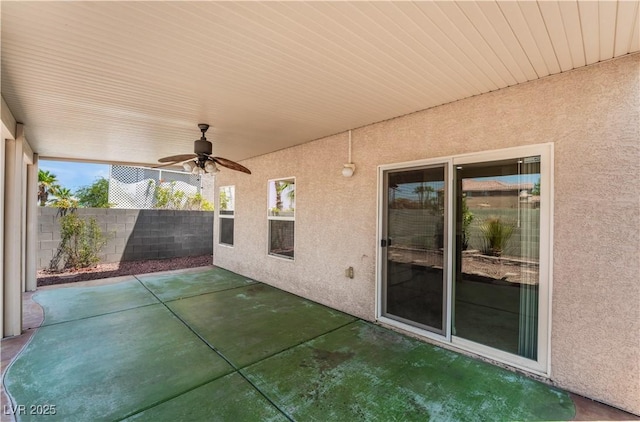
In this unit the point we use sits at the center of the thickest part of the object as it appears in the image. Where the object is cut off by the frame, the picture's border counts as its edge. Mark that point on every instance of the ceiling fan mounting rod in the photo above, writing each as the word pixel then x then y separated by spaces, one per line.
pixel 202 146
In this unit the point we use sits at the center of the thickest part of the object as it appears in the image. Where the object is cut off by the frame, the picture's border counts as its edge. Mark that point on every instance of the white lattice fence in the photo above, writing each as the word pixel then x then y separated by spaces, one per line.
pixel 135 187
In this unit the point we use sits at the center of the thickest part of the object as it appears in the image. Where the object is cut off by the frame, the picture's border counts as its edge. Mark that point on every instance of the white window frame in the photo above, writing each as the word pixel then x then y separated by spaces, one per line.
pixel 281 218
pixel 227 216
pixel 542 365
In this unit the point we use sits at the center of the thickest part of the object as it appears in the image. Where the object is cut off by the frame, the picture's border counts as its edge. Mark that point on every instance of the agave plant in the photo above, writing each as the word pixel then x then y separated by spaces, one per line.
pixel 496 234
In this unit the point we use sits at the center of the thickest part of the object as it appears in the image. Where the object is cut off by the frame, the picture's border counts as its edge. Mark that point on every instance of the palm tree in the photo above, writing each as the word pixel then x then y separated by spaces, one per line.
pixel 64 198
pixel 281 186
pixel 423 191
pixel 47 183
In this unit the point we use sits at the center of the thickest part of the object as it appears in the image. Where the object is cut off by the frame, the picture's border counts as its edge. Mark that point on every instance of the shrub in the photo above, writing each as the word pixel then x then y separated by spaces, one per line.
pixel 81 241
pixel 168 197
pixel 496 234
pixel 198 202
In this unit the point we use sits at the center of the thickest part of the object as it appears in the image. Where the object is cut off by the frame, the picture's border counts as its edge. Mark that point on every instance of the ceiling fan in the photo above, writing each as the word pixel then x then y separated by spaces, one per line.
pixel 201 161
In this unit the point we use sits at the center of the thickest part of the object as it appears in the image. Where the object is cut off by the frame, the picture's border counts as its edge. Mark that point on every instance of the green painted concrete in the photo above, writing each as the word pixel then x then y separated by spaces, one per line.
pixel 175 286
pixel 365 372
pixel 230 398
pixel 72 303
pixel 250 323
pixel 149 361
pixel 110 366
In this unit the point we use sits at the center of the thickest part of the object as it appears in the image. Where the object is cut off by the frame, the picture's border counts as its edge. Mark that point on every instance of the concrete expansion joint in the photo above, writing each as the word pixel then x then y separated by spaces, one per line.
pixel 218 352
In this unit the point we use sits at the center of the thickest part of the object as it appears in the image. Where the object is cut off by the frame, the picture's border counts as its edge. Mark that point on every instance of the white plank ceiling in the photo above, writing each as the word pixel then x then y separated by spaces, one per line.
pixel 129 81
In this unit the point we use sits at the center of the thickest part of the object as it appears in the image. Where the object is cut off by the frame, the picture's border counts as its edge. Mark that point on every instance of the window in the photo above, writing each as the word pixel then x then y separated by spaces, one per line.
pixel 227 202
pixel 281 217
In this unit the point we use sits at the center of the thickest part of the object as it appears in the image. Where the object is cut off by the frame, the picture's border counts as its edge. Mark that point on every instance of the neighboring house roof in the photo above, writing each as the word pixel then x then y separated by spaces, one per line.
pixel 471 185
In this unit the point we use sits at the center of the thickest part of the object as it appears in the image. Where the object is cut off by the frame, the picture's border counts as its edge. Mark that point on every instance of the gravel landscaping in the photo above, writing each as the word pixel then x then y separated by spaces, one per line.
pixel 117 269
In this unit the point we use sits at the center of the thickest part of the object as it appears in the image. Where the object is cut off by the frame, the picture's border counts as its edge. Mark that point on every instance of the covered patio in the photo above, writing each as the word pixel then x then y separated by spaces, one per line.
pixel 209 344
pixel 335 100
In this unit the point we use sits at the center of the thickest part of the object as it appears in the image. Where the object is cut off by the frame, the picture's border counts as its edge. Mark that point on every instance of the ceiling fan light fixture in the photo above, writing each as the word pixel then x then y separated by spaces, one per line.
pixel 188 166
pixel 210 167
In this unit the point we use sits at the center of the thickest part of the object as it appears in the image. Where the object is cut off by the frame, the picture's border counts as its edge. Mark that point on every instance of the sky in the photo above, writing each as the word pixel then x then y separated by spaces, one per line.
pixel 72 175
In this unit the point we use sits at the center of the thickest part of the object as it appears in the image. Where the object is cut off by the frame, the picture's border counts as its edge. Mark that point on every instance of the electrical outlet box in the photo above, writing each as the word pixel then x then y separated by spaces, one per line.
pixel 349 272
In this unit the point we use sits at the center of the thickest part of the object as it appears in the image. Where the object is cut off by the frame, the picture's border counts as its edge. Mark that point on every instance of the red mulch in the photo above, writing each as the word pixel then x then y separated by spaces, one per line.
pixel 122 268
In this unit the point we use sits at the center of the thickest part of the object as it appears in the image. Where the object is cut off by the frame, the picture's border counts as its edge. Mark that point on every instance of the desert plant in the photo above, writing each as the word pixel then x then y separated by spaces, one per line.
pixel 467 218
pixel 496 234
pixel 81 241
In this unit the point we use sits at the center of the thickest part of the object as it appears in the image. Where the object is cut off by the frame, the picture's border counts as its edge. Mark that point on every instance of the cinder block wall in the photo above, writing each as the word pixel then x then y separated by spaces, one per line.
pixel 134 234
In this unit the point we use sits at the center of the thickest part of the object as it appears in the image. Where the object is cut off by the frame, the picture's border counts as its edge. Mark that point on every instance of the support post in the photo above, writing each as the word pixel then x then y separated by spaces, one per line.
pixel 12 231
pixel 2 167
pixel 31 251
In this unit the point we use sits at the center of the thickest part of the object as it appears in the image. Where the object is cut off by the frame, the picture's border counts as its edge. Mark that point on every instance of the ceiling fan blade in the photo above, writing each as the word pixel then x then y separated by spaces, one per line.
pixel 230 164
pixel 172 163
pixel 177 158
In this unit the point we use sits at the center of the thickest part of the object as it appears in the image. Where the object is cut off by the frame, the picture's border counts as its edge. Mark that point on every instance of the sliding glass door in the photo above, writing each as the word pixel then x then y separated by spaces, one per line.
pixel 465 251
pixel 414 242
pixel 497 254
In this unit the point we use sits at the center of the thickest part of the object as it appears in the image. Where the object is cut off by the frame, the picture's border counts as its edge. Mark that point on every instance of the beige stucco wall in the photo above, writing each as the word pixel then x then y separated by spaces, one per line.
pixel 592 115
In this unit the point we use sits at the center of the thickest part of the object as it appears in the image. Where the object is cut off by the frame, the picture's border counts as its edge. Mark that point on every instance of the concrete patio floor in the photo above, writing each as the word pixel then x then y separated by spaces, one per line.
pixel 208 344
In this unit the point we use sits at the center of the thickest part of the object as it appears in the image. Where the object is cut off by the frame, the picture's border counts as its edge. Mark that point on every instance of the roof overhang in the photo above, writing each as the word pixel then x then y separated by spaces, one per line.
pixel 129 81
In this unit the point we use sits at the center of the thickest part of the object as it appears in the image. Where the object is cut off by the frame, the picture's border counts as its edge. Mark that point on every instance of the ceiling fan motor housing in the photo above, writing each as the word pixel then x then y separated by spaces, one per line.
pixel 202 147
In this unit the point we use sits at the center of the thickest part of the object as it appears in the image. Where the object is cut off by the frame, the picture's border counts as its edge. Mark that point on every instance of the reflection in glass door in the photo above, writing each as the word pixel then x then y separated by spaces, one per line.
pixel 496 284
pixel 414 289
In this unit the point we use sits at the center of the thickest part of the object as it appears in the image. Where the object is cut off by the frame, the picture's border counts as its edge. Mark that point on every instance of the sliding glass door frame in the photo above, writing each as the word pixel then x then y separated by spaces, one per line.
pixel 383 235
pixel 541 366
pixel 383 172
